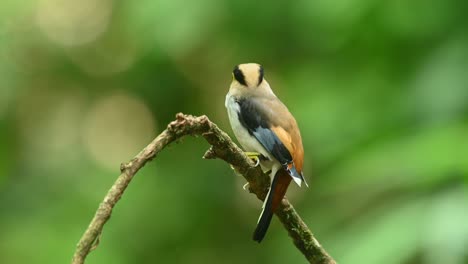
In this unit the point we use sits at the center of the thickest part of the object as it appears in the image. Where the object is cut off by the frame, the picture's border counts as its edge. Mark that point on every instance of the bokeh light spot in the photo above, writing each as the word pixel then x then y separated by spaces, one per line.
pixel 71 23
pixel 117 128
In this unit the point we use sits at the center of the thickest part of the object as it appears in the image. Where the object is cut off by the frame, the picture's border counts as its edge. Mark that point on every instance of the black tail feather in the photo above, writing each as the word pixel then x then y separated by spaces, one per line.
pixel 262 226
pixel 267 214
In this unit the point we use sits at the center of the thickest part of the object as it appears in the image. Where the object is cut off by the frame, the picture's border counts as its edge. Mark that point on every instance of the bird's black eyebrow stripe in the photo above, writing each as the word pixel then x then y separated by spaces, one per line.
pixel 260 75
pixel 239 76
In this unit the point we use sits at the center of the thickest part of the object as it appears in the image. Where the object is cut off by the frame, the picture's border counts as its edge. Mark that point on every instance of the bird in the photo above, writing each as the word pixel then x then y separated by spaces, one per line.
pixel 268 133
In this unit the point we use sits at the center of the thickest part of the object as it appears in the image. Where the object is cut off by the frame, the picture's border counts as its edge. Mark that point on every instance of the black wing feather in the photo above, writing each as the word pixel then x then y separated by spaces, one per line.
pixel 252 118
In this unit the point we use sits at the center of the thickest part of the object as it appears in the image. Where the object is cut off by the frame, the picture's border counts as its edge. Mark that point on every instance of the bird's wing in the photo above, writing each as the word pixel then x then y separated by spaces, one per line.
pixel 268 120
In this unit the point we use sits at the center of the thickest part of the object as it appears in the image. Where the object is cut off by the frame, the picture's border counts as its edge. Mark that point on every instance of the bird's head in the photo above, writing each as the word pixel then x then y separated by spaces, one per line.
pixel 248 79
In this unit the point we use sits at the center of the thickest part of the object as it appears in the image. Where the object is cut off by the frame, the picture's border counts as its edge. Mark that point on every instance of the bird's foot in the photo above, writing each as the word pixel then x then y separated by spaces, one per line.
pixel 254 156
pixel 245 186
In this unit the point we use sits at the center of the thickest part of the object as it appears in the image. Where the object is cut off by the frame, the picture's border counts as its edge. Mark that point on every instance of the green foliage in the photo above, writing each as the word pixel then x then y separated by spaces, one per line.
pixel 379 90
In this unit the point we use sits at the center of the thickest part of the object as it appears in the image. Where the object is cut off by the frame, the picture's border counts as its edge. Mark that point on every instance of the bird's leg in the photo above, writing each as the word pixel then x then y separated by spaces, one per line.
pixel 254 156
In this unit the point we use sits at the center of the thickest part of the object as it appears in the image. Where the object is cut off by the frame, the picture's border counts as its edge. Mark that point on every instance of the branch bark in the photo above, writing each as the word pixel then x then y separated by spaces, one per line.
pixel 221 147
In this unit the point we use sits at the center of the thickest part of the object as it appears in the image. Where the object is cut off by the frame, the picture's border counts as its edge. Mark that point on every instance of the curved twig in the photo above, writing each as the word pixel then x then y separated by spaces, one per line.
pixel 221 147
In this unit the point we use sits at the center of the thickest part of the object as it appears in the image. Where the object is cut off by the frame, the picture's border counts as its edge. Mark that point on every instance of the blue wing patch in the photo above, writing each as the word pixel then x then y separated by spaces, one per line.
pixel 252 118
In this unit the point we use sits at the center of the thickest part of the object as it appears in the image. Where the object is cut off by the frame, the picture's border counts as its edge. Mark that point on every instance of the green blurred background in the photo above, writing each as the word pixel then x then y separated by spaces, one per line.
pixel 379 88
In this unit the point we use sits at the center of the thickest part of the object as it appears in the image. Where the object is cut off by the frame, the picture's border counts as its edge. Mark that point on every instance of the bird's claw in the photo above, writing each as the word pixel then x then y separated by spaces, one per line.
pixel 254 156
pixel 245 186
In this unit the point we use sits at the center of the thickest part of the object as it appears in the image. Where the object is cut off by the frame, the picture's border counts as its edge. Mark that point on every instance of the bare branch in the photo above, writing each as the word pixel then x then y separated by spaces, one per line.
pixel 221 147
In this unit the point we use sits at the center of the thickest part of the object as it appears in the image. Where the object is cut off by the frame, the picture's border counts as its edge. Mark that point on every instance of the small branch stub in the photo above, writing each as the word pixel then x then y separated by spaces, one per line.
pixel 210 154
